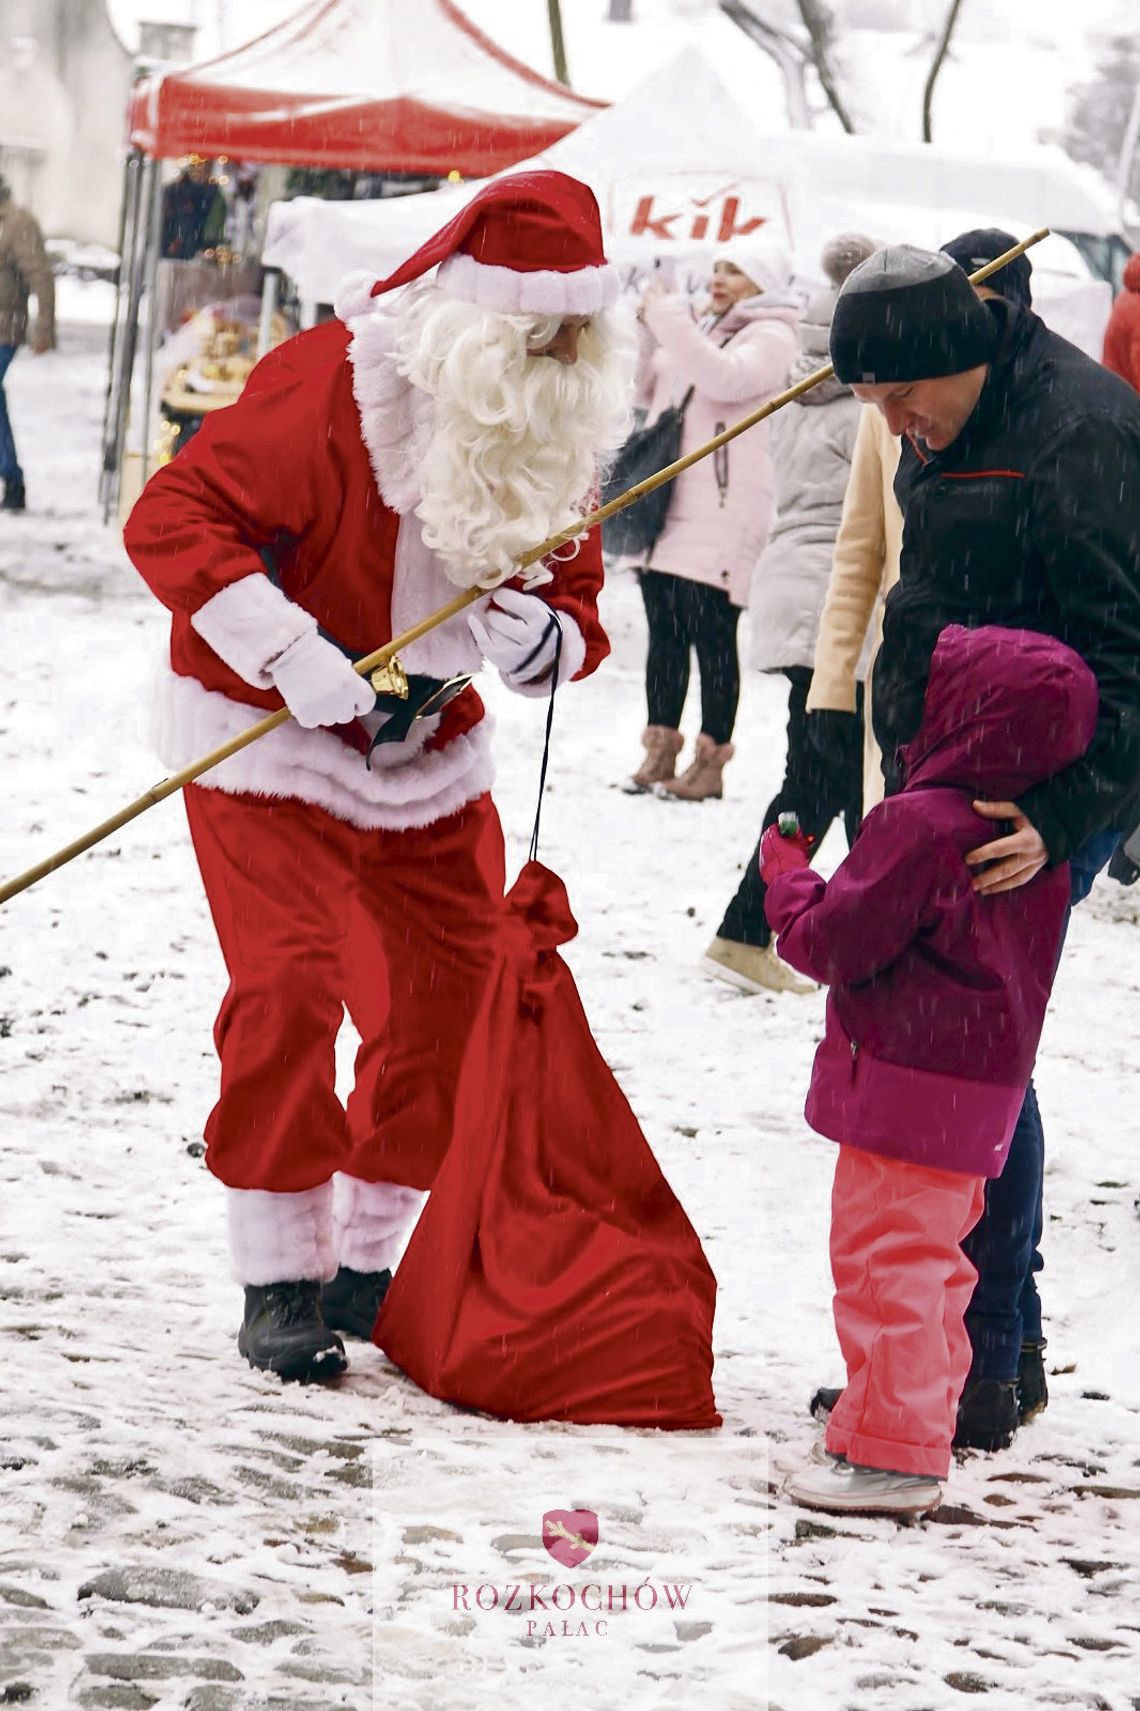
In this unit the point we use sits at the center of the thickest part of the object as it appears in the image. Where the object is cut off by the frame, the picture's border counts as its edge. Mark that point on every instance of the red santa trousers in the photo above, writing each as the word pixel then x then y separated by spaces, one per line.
pixel 902 1286
pixel 314 916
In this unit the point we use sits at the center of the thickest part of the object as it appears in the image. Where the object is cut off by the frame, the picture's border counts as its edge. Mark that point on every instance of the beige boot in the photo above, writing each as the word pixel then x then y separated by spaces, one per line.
pixel 703 777
pixel 752 968
pixel 662 745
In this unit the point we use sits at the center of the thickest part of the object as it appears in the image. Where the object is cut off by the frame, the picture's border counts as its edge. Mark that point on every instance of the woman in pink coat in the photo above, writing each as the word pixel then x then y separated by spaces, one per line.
pixel 697 576
pixel 937 1000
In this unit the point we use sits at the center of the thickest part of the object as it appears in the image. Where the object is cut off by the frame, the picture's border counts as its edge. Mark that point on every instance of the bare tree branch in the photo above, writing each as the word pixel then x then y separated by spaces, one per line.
pixel 935 67
pixel 819 26
pixel 780 45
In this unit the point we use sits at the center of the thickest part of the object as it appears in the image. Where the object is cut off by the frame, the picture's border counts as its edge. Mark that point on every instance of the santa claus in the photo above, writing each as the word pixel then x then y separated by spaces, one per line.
pixel 353 858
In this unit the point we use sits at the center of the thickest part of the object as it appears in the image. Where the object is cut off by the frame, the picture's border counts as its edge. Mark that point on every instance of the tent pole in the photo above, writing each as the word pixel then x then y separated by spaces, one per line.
pixel 115 335
pixel 270 286
pixel 127 233
pixel 153 236
pixel 113 456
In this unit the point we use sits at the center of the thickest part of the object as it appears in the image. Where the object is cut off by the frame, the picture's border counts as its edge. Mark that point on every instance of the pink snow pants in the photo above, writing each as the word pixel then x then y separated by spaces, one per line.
pixel 902 1286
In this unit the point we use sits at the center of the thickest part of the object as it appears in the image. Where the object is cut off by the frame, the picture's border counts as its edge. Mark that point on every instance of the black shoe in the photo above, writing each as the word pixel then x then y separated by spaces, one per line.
pixel 988 1415
pixel 823 1402
pixel 1032 1390
pixel 14 498
pixel 283 1332
pixel 351 1301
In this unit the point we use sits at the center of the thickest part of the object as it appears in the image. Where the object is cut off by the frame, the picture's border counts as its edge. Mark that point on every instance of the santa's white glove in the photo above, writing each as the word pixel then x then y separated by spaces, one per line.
pixel 318 685
pixel 518 633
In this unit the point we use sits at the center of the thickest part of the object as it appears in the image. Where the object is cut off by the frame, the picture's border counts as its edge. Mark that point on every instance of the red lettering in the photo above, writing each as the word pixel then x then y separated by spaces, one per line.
pixel 728 226
pixel 678 1598
pixel 644 220
pixel 458 1592
pixel 700 226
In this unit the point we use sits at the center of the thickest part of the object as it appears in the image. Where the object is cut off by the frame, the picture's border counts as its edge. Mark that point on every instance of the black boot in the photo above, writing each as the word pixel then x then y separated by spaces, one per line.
pixel 14 498
pixel 283 1332
pixel 351 1301
pixel 1032 1390
pixel 823 1402
pixel 988 1415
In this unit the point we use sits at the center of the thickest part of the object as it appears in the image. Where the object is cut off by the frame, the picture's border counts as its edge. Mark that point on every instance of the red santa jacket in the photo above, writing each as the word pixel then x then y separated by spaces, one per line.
pixel 318 462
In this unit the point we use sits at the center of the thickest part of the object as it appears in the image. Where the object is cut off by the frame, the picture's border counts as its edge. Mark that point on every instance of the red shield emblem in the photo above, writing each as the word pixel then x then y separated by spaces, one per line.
pixel 570 1535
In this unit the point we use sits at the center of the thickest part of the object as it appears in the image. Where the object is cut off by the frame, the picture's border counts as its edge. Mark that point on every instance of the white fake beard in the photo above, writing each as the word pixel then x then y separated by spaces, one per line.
pixel 518 438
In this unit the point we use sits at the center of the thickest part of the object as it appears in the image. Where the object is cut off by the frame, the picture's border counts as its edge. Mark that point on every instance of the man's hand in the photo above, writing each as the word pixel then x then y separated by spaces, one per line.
pixel 40 346
pixel 1018 856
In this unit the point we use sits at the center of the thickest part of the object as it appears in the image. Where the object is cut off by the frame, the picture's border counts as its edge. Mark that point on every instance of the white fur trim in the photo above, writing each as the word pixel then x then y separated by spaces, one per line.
pixel 405 787
pixel 583 292
pixel 396 418
pixel 249 624
pixel 372 1221
pixel 281 1238
pixel 570 661
pixel 354 295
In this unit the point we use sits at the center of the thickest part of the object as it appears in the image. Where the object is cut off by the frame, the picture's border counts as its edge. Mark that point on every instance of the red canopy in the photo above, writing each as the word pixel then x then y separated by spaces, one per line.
pixel 375 85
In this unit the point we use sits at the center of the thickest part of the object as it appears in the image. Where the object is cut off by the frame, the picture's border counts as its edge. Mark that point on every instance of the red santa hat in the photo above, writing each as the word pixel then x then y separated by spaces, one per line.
pixel 529 243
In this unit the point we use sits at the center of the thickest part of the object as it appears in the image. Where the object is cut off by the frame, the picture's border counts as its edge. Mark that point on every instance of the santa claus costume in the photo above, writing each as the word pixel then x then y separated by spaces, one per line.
pixel 416 444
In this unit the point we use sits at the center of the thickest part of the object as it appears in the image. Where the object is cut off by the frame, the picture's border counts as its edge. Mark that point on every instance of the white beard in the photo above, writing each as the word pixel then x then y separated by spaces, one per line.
pixel 517 438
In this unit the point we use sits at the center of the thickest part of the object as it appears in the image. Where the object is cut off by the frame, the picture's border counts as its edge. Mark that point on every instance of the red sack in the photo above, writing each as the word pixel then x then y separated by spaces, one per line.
pixel 553 1274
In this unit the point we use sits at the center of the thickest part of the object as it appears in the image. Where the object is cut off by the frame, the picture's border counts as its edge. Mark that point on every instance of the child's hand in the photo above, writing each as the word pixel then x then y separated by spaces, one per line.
pixel 780 854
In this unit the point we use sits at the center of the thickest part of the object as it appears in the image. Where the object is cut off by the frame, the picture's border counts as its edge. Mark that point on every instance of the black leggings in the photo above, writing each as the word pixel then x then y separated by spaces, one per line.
pixel 814 790
pixel 683 615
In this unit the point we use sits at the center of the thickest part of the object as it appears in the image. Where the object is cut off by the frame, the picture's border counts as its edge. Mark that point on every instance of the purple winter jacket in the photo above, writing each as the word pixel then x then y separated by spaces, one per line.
pixel 938 995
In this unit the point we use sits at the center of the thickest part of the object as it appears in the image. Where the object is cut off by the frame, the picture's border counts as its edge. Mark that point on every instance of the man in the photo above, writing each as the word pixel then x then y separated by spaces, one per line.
pixel 1019 482
pixel 24 270
pixel 373 466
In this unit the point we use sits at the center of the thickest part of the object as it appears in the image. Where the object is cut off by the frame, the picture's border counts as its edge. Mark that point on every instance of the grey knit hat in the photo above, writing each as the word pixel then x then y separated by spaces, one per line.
pixel 842 254
pixel 908 314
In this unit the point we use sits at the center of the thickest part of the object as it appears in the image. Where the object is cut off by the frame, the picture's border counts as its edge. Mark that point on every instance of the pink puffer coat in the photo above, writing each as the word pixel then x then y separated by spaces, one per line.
pixel 722 508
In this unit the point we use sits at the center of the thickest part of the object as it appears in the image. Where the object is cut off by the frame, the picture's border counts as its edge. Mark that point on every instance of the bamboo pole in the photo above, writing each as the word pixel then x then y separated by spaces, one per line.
pixel 170 786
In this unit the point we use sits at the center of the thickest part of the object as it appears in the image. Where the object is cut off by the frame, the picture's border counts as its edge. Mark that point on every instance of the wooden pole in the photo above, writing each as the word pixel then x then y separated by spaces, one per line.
pixel 169 786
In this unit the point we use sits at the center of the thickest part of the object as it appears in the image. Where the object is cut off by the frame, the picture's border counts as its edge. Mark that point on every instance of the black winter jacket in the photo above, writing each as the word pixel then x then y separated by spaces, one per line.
pixel 1030 519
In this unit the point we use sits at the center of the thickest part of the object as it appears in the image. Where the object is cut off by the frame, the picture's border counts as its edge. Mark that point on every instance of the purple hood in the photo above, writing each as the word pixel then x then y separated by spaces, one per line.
pixel 1004 709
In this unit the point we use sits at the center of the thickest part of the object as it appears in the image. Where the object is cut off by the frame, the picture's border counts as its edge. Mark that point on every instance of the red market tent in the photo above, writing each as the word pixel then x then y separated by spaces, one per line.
pixel 371 85
pixel 384 86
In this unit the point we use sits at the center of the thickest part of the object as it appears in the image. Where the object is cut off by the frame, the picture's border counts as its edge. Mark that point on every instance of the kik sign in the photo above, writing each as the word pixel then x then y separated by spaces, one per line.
pixel 695 209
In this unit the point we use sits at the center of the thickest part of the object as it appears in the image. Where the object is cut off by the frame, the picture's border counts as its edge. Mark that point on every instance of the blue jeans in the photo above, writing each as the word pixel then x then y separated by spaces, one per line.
pixel 1005 1245
pixel 9 463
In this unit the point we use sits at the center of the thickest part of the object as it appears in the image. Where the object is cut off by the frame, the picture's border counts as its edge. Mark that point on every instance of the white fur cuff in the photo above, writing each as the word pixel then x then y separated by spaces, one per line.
pixel 281 1238
pixel 570 661
pixel 372 1221
pixel 249 624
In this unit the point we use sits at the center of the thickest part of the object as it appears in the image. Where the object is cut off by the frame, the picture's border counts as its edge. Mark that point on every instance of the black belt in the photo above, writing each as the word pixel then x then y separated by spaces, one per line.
pixel 426 696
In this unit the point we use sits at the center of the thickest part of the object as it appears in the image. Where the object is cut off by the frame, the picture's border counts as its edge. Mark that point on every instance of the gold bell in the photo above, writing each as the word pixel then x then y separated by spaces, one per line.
pixel 390 678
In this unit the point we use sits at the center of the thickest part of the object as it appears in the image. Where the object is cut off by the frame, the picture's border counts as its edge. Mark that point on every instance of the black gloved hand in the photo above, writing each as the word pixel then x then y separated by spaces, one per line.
pixel 836 737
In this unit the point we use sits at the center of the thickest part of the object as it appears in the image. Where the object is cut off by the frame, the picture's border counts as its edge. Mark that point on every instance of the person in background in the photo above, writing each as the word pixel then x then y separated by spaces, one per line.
pixel 811 444
pixel 24 271
pixel 937 1000
pixel 865 564
pixel 193 213
pixel 697 578
pixel 1122 335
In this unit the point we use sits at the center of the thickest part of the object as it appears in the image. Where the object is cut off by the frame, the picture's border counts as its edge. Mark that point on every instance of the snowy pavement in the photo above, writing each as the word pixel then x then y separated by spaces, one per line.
pixel 178 1531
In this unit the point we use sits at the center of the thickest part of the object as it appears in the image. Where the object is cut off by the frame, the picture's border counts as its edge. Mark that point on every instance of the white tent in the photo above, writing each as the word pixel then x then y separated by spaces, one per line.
pixel 676 167
pixel 679 166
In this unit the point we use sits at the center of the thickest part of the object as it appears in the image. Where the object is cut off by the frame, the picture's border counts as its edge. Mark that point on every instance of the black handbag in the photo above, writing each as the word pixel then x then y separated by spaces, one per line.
pixel 636 529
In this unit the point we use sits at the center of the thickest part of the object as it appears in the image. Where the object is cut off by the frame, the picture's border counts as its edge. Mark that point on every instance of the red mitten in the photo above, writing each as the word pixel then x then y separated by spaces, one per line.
pixel 780 854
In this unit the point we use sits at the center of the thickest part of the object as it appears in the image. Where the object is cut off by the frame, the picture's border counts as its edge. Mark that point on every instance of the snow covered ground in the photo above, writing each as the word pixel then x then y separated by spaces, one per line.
pixel 179 1531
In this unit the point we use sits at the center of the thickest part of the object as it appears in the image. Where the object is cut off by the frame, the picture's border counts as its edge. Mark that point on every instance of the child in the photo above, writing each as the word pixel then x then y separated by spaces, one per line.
pixel 937 1003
